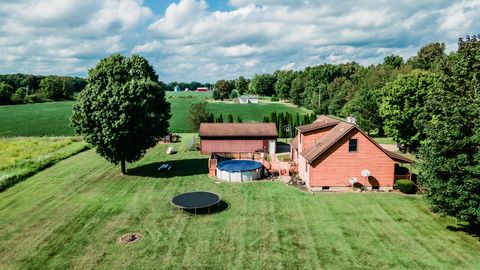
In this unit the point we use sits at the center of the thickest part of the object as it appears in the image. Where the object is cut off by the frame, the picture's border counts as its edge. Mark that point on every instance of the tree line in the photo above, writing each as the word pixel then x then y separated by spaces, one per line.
pixel 24 88
pixel 183 85
pixel 343 89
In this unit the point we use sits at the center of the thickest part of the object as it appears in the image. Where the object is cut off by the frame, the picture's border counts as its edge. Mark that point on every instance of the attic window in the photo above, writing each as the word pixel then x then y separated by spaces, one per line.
pixel 352 145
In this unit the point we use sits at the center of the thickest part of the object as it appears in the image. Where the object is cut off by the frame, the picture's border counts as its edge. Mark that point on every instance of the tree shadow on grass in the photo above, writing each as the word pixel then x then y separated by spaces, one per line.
pixel 221 206
pixel 181 167
pixel 472 230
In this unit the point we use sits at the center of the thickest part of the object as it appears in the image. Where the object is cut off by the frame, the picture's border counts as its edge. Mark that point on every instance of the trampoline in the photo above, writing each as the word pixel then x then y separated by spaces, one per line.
pixel 196 200
pixel 239 170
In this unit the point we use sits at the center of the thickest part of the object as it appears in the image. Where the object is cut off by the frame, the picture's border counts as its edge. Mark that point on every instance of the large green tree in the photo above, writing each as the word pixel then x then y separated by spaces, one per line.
pixel 297 89
pixel 57 88
pixel 394 61
pixel 403 106
pixel 428 56
pixel 6 92
pixel 450 155
pixel 262 84
pixel 222 89
pixel 317 78
pixel 198 115
pixel 122 111
pixel 241 84
pixel 341 90
pixel 364 106
pixel 284 83
pixel 51 87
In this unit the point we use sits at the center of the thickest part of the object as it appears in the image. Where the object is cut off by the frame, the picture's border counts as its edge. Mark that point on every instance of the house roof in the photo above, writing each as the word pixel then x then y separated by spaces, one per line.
pixel 327 141
pixel 340 130
pixel 294 142
pixel 248 97
pixel 238 130
pixel 321 122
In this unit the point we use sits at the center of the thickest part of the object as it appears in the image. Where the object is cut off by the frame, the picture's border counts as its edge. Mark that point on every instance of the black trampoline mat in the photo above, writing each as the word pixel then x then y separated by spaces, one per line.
pixel 196 200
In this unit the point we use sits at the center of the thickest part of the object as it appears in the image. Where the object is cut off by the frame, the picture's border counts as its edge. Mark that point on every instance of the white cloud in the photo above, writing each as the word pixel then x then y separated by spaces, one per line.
pixel 178 17
pixel 251 62
pixel 288 66
pixel 458 18
pixel 190 41
pixel 237 50
pixel 68 36
pixel 147 47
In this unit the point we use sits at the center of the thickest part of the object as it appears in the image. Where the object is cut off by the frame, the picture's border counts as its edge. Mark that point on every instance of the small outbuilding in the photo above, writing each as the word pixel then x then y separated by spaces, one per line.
pixel 233 138
pixel 245 99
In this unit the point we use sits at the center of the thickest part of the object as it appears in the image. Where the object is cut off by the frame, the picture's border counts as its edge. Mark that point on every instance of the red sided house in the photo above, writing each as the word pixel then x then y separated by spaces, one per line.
pixel 334 154
pixel 234 138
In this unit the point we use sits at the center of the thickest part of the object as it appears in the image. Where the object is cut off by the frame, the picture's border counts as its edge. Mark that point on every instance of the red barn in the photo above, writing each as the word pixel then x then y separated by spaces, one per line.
pixel 238 138
pixel 202 89
pixel 331 154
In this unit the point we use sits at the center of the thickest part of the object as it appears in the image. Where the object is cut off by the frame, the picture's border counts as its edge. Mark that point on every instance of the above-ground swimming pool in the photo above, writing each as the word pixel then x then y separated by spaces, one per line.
pixel 239 170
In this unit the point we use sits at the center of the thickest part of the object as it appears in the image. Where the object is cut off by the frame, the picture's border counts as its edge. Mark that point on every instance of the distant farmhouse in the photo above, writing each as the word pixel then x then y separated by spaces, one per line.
pixel 248 99
pixel 176 88
pixel 335 154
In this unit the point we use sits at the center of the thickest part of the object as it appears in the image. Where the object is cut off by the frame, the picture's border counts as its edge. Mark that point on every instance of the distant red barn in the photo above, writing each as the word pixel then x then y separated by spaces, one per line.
pixel 330 153
pixel 238 138
pixel 202 89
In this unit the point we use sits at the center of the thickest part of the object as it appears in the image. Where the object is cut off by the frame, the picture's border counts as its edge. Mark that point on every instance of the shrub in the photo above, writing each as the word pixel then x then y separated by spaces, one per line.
pixel 274 99
pixel 34 98
pixel 406 186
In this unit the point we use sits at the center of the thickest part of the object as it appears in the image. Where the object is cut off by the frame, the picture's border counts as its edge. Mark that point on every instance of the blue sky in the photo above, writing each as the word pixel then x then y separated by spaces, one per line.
pixel 159 6
pixel 205 41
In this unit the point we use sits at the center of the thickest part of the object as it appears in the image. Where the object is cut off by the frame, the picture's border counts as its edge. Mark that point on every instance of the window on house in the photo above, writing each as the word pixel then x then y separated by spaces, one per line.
pixel 352 145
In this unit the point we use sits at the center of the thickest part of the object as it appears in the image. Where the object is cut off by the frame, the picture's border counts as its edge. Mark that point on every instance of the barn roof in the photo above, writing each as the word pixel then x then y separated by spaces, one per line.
pixel 238 130
pixel 321 122
pixel 340 130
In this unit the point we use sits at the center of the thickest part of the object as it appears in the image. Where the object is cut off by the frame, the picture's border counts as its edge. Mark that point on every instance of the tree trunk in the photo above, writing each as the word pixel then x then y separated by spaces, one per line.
pixel 123 166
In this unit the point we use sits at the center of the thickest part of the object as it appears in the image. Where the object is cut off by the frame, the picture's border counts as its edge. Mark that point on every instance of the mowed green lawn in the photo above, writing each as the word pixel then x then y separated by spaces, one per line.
pixel 53 118
pixel 71 215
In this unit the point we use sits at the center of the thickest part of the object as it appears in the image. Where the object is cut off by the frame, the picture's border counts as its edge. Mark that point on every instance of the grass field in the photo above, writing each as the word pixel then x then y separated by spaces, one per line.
pixel 70 216
pixel 39 119
pixel 247 112
pixel 23 156
pixel 53 118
